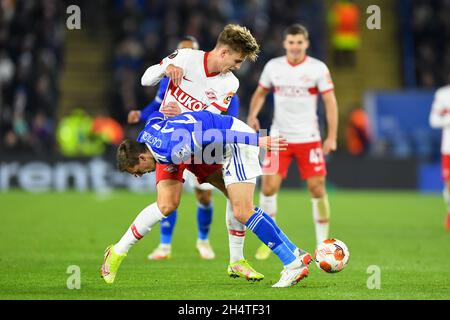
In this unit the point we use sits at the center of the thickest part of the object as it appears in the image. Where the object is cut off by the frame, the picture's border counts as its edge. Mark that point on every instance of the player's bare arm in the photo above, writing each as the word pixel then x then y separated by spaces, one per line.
pixel 331 109
pixel 256 104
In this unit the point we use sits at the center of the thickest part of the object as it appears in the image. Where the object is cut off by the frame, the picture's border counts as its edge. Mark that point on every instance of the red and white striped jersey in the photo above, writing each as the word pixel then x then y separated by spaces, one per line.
pixel 296 88
pixel 199 89
pixel 440 116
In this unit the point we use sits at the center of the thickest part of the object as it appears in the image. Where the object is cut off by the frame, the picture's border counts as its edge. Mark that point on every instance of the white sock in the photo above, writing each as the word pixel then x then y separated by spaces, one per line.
pixel 143 223
pixel 297 263
pixel 268 204
pixel 321 216
pixel 236 235
pixel 165 246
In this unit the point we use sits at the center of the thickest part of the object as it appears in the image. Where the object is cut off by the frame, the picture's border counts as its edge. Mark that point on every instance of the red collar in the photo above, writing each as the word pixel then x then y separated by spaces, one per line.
pixel 297 64
pixel 205 65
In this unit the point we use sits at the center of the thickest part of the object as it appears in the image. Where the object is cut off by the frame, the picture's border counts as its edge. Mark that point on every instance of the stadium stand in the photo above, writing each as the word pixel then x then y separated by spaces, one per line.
pixel 146 31
pixel 31 39
pixel 430 26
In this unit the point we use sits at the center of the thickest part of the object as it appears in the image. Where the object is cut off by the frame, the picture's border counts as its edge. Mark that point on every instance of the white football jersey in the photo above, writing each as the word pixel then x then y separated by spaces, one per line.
pixel 440 116
pixel 296 88
pixel 199 89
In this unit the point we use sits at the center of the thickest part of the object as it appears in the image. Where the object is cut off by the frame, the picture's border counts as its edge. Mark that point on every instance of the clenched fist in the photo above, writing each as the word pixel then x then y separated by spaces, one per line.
pixel 171 109
pixel 175 74
pixel 134 116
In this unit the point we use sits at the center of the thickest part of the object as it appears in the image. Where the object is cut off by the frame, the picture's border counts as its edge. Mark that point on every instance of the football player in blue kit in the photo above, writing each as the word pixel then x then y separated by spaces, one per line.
pixel 189 139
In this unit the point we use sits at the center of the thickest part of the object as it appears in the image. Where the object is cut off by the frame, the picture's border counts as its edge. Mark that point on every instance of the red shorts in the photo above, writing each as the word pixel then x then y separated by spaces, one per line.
pixel 309 156
pixel 175 171
pixel 446 167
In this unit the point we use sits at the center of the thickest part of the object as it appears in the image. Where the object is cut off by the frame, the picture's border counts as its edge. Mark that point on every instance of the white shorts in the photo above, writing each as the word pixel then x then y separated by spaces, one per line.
pixel 191 179
pixel 241 161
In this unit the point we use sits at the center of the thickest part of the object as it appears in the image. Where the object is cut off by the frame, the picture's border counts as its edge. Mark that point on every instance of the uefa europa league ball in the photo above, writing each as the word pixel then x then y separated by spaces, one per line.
pixel 331 255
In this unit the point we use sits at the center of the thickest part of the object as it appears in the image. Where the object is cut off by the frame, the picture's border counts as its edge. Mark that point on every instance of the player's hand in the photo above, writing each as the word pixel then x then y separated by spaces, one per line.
pixel 273 143
pixel 329 145
pixel 134 116
pixel 253 122
pixel 171 109
pixel 175 74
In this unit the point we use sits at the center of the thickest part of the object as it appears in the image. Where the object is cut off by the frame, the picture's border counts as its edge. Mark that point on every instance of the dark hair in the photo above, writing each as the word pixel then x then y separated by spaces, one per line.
pixel 296 28
pixel 128 154
pixel 190 38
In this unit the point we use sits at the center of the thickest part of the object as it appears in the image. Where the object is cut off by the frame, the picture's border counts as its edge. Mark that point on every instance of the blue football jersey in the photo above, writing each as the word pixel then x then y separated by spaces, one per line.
pixel 177 139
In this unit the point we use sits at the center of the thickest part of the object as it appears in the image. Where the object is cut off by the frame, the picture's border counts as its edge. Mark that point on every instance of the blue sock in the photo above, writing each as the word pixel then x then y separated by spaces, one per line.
pixel 167 225
pixel 204 219
pixel 284 237
pixel 269 236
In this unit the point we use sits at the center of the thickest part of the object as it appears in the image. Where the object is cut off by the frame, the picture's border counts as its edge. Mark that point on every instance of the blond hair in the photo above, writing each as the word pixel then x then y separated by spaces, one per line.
pixel 240 40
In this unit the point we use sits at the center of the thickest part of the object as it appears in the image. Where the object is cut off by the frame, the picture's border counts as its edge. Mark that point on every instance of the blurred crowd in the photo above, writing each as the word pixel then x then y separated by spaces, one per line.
pixel 147 31
pixel 31 39
pixel 431 36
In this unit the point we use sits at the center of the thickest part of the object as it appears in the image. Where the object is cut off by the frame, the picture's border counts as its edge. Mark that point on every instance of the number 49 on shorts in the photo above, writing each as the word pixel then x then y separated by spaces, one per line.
pixel 316 156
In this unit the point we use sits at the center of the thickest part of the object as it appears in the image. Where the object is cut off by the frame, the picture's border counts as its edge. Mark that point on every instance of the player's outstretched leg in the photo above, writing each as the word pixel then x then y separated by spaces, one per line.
pixel 114 254
pixel 204 220
pixel 164 250
pixel 294 268
pixel 270 185
pixel 303 255
pixel 269 205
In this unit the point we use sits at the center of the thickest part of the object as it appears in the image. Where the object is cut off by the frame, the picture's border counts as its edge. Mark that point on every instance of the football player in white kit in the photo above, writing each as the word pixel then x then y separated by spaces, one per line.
pixel 203 192
pixel 296 80
pixel 440 118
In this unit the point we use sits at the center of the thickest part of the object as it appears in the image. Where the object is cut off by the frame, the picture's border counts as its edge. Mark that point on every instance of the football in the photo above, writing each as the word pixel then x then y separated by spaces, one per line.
pixel 331 255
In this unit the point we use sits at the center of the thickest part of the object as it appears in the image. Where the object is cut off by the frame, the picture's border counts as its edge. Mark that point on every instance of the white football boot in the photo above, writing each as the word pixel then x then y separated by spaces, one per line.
pixel 292 275
pixel 162 252
pixel 205 249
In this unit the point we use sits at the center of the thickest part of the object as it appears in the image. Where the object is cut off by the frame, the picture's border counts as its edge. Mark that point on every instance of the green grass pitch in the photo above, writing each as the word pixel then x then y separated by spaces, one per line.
pixel 43 234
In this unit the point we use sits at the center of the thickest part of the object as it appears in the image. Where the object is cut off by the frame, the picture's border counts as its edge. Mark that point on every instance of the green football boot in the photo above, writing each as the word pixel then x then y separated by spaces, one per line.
pixel 263 252
pixel 111 264
pixel 242 269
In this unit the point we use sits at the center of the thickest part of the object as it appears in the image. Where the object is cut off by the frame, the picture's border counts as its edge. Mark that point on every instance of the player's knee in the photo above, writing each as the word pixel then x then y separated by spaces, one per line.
pixel 268 189
pixel 317 190
pixel 167 207
pixel 242 218
pixel 204 197
pixel 242 212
